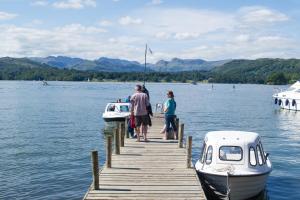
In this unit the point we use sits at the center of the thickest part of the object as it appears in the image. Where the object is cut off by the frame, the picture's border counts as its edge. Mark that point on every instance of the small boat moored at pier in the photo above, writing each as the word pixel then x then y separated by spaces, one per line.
pixel 290 98
pixel 116 112
pixel 233 165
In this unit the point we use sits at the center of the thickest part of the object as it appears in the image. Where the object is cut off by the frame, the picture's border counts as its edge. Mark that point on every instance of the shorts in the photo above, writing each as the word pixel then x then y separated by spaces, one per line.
pixel 143 119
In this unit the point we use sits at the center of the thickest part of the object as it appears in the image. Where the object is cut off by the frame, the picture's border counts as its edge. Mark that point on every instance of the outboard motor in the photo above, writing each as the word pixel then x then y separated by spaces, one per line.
pixel 279 102
pixel 294 102
pixel 276 101
pixel 287 102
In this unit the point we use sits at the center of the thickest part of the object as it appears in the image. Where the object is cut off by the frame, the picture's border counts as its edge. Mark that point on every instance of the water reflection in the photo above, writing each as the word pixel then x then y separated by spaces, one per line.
pixel 263 195
pixel 289 123
pixel 109 128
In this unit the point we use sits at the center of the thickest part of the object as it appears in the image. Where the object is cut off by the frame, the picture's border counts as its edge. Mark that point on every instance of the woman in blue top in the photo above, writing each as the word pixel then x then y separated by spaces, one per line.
pixel 169 109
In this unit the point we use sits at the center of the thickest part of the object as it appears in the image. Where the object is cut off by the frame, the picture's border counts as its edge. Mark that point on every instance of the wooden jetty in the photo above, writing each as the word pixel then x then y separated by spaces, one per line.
pixel 158 169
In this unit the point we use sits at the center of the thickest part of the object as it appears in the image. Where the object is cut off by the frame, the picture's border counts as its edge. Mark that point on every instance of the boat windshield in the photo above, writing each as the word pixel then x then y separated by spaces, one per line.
pixel 230 153
pixel 290 89
pixel 124 108
pixel 111 108
pixel 202 154
pixel 252 156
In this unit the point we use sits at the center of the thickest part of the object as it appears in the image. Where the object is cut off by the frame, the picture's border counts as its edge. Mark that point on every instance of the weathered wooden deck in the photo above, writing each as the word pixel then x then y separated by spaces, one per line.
pixel 148 170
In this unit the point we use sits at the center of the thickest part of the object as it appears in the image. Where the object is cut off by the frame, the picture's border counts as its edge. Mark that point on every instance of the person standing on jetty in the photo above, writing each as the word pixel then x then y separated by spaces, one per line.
pixel 169 109
pixel 139 102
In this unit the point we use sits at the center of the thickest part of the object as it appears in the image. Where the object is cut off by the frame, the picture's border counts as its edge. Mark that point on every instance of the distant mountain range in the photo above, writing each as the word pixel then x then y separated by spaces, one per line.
pixel 119 65
pixel 19 63
pixel 264 70
pixel 101 64
pixel 177 64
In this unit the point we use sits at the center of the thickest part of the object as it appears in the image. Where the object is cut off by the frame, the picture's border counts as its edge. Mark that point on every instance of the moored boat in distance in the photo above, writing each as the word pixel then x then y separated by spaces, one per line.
pixel 116 112
pixel 45 83
pixel 290 98
pixel 233 165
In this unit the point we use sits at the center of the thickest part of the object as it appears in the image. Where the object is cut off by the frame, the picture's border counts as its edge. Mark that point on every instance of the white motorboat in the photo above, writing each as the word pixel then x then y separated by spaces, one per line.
pixel 233 165
pixel 116 112
pixel 290 98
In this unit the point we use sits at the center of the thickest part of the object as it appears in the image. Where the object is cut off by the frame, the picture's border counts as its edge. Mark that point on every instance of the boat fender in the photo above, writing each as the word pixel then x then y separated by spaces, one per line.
pixel 276 100
pixel 279 102
pixel 294 102
pixel 287 102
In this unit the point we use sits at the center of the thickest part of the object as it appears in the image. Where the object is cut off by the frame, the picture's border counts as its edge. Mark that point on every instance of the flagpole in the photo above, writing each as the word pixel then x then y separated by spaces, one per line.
pixel 145 63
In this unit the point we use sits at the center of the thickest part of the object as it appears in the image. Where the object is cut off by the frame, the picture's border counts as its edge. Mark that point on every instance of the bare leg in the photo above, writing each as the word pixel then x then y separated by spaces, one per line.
pixel 145 129
pixel 142 130
pixel 137 130
pixel 175 135
pixel 163 130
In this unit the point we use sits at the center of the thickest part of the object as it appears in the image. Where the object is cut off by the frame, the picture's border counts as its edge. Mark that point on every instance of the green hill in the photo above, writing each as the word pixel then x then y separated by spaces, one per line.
pixel 261 71
pixel 26 69
pixel 18 63
pixel 265 70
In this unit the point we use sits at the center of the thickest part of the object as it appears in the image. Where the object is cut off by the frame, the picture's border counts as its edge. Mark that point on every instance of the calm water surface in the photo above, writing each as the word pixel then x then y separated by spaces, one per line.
pixel 47 133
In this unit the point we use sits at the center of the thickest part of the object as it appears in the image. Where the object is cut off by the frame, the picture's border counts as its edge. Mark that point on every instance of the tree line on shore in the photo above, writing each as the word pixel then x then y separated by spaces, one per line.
pixel 260 71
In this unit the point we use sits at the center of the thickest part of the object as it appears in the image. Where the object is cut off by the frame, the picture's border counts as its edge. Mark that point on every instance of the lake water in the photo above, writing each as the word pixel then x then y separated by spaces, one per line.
pixel 47 132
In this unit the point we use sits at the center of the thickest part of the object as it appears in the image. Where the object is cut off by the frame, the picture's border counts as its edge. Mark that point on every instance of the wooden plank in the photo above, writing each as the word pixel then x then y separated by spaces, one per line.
pixel 100 192
pixel 148 170
pixel 132 194
pixel 141 198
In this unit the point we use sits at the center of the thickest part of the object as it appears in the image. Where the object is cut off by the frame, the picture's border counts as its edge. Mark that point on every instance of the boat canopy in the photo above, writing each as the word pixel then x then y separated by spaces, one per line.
pixel 118 107
pixel 232 147
pixel 231 137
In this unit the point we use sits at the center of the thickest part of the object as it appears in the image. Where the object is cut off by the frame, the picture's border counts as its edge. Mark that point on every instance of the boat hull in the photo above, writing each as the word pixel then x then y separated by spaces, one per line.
pixel 289 106
pixel 114 119
pixel 240 187
pixel 287 101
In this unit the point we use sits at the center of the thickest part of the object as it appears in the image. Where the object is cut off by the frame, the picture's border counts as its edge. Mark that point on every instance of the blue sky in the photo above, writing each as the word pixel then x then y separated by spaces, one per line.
pixel 210 30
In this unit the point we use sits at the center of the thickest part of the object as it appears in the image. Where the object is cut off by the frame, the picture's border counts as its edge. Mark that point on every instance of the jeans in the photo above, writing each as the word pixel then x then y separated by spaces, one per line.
pixel 170 121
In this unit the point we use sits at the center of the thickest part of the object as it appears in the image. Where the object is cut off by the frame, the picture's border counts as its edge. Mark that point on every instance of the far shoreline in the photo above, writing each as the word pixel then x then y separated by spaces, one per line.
pixel 160 82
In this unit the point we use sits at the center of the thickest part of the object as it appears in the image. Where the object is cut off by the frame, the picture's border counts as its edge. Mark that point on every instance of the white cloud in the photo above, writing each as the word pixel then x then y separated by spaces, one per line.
pixel 261 15
pixel 112 40
pixel 162 35
pixel 183 23
pixel 70 40
pixel 180 32
pixel 127 20
pixel 186 36
pixel 40 3
pixel 77 28
pixel 74 4
pixel 242 38
pixel 105 23
pixel 243 46
pixel 156 2
pixel 7 16
pixel 37 22
pixel 34 22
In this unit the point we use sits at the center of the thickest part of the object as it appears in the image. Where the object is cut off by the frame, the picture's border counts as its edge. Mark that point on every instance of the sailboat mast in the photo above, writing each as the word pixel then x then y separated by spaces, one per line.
pixel 145 63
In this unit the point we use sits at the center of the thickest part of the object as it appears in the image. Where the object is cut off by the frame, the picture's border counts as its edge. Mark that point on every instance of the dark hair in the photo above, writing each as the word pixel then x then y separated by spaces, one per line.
pixel 170 92
pixel 138 87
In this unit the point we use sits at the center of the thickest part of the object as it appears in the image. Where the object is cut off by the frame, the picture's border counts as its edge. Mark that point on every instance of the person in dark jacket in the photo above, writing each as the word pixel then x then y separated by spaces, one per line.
pixel 149 107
